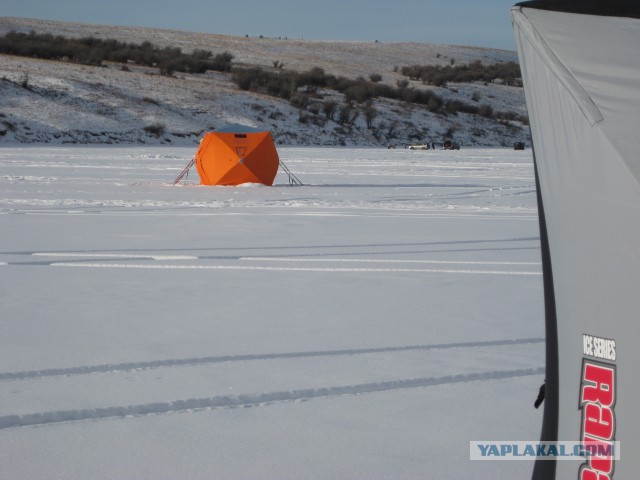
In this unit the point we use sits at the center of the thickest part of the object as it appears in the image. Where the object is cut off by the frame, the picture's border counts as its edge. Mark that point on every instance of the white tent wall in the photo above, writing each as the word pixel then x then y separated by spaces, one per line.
pixel 582 83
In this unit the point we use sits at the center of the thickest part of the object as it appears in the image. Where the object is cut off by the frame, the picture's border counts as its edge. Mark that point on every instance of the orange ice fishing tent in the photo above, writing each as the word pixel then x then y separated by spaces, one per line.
pixel 237 154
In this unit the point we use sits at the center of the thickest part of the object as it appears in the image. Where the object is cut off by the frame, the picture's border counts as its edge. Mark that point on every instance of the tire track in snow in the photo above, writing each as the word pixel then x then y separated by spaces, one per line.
pixel 249 400
pixel 311 246
pixel 181 362
pixel 387 260
pixel 118 256
pixel 291 269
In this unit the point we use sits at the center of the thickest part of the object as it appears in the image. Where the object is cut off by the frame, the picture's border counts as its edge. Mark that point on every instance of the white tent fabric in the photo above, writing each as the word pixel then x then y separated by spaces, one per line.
pixel 582 82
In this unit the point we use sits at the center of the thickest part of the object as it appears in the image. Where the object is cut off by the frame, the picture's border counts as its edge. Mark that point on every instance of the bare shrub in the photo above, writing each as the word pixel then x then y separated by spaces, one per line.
pixel 485 110
pixel 155 129
pixel 329 108
pixel 370 113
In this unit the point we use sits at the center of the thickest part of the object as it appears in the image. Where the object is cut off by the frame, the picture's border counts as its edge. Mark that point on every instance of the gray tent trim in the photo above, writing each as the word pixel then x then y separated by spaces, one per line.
pixel 547 470
pixel 609 8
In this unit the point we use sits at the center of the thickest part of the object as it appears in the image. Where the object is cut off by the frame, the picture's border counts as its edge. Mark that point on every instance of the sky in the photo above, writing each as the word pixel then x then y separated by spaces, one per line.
pixel 482 23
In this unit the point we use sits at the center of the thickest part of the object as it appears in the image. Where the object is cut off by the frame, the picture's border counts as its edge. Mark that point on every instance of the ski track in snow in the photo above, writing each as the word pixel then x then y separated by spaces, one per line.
pixel 267 398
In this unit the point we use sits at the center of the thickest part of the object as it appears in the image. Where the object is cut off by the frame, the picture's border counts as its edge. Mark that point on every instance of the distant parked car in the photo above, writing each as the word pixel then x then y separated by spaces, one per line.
pixel 449 145
pixel 518 146
pixel 419 147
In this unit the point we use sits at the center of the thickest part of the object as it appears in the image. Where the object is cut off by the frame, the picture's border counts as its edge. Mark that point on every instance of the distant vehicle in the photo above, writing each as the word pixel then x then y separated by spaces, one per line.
pixel 419 147
pixel 518 146
pixel 449 145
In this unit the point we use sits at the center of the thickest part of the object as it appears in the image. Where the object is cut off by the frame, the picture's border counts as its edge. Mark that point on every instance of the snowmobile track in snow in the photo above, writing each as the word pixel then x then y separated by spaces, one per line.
pixel 132 366
pixel 245 401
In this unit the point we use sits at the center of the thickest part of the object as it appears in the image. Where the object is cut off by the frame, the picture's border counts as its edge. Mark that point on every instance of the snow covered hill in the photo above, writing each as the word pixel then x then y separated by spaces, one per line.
pixel 55 102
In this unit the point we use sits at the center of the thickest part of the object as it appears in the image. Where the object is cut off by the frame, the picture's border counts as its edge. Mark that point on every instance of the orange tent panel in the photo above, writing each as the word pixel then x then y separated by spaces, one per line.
pixel 236 157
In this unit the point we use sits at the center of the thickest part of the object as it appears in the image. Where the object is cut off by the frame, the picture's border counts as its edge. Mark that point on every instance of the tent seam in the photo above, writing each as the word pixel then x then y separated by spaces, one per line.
pixel 585 103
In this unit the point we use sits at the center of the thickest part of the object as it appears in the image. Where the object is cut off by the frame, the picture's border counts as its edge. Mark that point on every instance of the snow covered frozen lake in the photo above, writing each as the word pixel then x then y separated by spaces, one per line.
pixel 367 325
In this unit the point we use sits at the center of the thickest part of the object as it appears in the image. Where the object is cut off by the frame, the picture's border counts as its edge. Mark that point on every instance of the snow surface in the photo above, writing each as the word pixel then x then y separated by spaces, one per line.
pixel 367 325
